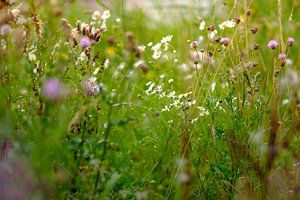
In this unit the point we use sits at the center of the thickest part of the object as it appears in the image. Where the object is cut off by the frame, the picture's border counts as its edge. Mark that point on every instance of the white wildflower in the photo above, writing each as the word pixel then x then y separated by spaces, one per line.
pixel 166 39
pixel 202 25
pixel 156 47
pixel 171 95
pixel 185 95
pixel 165 109
pixel 148 83
pixel 193 121
pixel 212 34
pixel 139 63
pixel 121 66
pixel 213 86
pixel 170 121
pixel 96 71
pixel 227 24
pixel 285 101
pixel 162 76
pixel 150 88
pixel 156 55
pixel 31 55
pixel 105 15
pixel 82 57
pixel 96 15
pixel 142 48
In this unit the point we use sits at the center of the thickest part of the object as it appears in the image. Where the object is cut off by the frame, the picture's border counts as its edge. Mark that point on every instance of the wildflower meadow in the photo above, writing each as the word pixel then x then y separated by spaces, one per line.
pixel 148 99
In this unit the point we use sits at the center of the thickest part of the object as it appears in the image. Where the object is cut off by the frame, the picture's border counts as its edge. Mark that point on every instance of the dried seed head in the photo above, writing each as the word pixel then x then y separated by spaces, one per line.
pixel 144 68
pixel 130 41
pixel 217 39
pixel 74 41
pixel 194 44
pixel 138 52
pixel 256 47
pixel 237 20
pixel 66 27
pixel 96 56
pixel 232 76
pixel 84 30
pixel 276 72
pixel 91 36
pixel 90 28
pixel 250 65
pixel 98 37
pixel 97 31
pixel 102 29
pixel 254 29
pixel 282 59
pixel 248 12
pixel 87 52
pixel 38 25
pixel 211 28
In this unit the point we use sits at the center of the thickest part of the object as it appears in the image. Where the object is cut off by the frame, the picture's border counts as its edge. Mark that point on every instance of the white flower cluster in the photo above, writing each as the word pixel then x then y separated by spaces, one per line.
pixel 227 24
pixel 160 47
pixel 178 101
pixel 154 90
pixel 101 17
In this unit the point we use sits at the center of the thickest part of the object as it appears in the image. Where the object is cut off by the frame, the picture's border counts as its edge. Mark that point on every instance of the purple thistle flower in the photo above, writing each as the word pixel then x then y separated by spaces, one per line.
pixel 225 41
pixel 272 44
pixel 85 42
pixel 282 56
pixel 52 89
pixel 291 41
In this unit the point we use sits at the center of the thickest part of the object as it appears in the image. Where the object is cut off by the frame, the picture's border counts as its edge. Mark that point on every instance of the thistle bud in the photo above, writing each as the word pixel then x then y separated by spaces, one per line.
pixel 248 12
pixel 194 45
